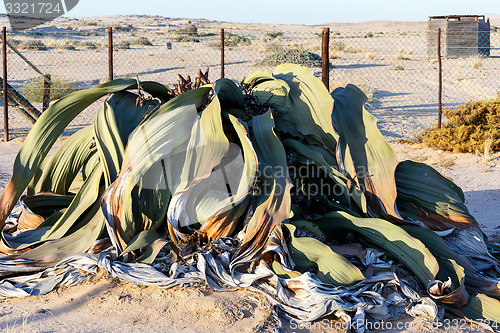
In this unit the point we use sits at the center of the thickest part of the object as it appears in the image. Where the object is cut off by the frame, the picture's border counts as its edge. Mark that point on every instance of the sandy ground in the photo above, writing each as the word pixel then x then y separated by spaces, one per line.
pixel 105 305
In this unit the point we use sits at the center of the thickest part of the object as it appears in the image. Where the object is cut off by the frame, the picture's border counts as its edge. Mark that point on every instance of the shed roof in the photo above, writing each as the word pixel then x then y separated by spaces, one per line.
pixel 446 17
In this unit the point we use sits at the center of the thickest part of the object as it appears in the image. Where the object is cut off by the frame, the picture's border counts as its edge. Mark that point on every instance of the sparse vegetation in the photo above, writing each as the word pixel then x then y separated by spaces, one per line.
pixel 341 47
pixel 368 35
pixel 189 29
pixel 90 45
pixel 337 46
pixel 123 28
pixel 472 127
pixel 205 34
pixel 274 48
pixel 186 39
pixel 353 50
pixel 32 89
pixel 142 41
pixel 476 63
pixel 274 34
pixel 398 68
pixel 304 58
pixel 33 44
pixel 122 45
pixel 401 56
pixel 235 40
pixel 68 45
pixel 14 41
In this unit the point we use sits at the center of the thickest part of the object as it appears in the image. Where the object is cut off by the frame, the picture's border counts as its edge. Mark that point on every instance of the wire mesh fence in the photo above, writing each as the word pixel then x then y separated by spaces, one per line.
pixel 398 71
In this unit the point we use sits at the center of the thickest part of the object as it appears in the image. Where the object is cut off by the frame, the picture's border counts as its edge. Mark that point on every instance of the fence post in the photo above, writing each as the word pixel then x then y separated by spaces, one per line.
pixel 440 78
pixel 110 53
pixel 325 58
pixel 46 93
pixel 5 98
pixel 222 53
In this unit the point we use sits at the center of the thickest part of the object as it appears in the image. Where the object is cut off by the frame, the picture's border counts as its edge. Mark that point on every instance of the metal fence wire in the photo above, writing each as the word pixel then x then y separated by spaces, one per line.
pixel 398 71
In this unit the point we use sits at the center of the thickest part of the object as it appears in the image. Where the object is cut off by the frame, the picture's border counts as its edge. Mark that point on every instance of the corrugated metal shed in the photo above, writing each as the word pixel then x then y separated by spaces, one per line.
pixel 461 36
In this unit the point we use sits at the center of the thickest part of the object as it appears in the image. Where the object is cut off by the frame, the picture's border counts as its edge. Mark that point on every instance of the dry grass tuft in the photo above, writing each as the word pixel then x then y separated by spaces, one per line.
pixel 32 89
pixel 476 63
pixel 398 68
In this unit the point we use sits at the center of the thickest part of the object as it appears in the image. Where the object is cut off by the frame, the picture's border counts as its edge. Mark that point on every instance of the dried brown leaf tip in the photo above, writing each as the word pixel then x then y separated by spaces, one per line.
pixel 186 84
pixel 141 97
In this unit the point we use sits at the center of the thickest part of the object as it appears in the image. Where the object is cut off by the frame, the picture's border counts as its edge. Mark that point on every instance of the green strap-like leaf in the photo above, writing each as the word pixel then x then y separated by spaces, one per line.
pixel 310 102
pixel 48 128
pixel 474 279
pixel 327 162
pixel 138 200
pixel 113 125
pixel 229 184
pixel 427 196
pixel 85 199
pixel 255 78
pixel 482 309
pixel 274 203
pixel 58 171
pixel 79 241
pixel 145 163
pixel 389 237
pixel 230 98
pixel 364 155
pixel 332 268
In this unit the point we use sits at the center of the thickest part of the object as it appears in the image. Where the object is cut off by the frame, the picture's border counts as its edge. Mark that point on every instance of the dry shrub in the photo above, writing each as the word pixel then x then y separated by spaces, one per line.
pixel 476 62
pixel 470 128
pixel 122 45
pixel 33 44
pixel 397 68
pixel 231 39
pixel 401 56
pixel 142 41
pixel 33 89
pixel 304 58
pixel 337 46
pixel 275 34
pixel 90 45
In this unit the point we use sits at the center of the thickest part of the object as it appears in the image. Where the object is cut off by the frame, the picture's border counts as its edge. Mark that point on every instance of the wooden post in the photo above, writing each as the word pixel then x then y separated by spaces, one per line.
pixel 110 53
pixel 222 53
pixel 5 97
pixel 46 93
pixel 325 58
pixel 440 78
